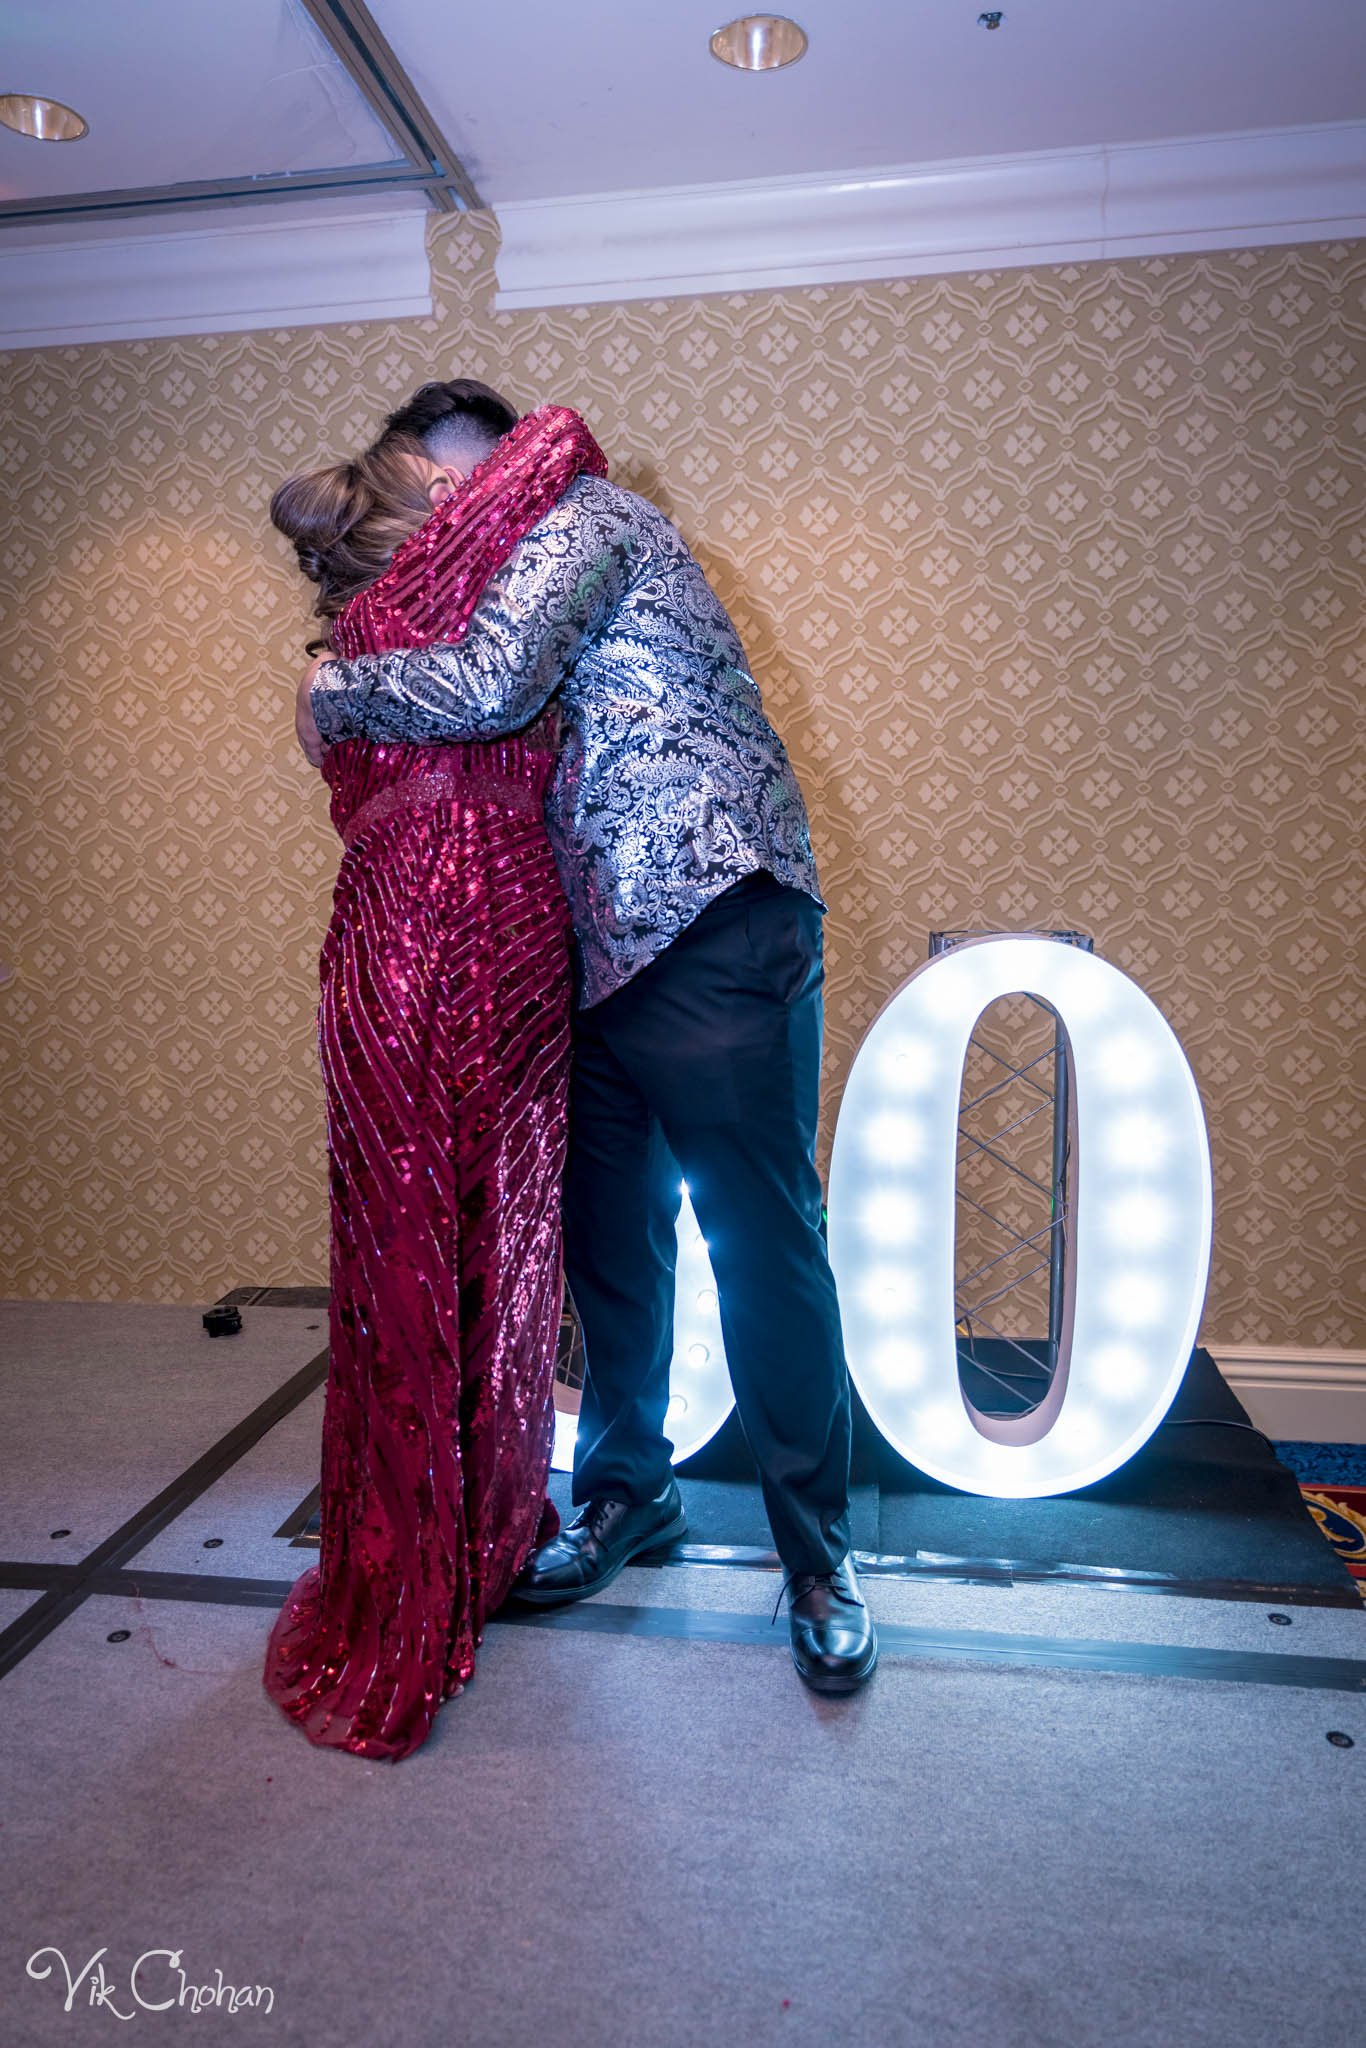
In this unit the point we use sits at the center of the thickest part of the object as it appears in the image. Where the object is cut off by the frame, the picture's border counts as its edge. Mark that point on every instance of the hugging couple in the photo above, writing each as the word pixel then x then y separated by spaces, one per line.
pixel 575 957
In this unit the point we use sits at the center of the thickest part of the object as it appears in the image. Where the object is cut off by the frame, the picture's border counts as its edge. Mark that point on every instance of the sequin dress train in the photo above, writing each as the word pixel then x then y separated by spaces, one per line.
pixel 443 1029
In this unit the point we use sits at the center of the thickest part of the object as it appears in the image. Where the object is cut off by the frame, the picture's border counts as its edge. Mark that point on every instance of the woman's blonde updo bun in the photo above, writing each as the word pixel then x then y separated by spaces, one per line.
pixel 346 521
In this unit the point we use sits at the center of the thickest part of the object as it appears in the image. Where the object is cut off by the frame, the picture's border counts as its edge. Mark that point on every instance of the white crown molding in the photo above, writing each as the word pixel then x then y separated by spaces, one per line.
pixel 1315 1396
pixel 221 273
pixel 992 213
pixel 232 269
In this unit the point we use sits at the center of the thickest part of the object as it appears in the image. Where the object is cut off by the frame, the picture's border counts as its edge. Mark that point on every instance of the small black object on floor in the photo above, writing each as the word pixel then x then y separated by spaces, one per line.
pixel 1206 1499
pixel 223 1320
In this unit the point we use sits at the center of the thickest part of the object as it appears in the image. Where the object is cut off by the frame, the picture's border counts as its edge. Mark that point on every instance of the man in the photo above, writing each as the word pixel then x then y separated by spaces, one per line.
pixel 683 845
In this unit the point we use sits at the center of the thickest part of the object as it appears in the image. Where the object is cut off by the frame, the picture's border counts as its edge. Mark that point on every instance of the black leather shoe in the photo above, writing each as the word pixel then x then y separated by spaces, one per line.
pixel 599 1543
pixel 834 1643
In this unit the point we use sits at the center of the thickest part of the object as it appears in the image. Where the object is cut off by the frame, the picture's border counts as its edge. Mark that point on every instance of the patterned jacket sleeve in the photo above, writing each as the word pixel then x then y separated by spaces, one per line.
pixel 555 594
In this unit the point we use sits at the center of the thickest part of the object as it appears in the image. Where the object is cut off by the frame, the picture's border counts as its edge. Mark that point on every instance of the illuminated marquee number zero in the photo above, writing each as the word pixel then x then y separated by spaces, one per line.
pixel 1139 1241
pixel 1141 1210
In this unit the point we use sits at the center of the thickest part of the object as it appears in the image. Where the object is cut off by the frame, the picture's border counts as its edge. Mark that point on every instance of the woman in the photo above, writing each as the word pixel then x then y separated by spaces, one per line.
pixel 443 1029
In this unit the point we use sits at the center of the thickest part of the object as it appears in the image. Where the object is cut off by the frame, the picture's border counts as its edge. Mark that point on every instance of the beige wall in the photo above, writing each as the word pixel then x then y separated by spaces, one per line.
pixel 1053 584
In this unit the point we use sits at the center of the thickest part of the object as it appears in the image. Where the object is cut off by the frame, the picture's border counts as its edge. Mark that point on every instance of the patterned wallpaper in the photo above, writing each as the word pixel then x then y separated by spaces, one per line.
pixel 1053 582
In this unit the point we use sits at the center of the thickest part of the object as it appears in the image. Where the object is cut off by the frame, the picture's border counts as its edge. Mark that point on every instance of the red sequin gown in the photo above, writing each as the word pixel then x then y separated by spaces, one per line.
pixel 443 1029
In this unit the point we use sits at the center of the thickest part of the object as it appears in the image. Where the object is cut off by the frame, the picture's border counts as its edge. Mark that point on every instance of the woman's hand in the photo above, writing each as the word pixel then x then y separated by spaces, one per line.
pixel 309 738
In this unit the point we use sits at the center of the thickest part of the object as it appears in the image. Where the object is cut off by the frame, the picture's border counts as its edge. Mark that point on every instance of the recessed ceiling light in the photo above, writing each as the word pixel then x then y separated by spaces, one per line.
pixel 759 42
pixel 46 120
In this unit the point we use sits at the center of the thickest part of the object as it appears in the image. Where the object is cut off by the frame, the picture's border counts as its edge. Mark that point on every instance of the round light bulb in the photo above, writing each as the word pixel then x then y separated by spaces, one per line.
pixel 28 113
pixel 759 42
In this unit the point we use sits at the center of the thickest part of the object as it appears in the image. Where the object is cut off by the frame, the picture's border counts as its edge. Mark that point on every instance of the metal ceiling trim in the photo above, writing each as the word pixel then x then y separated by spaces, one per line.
pixel 426 163
pixel 144 199
pixel 359 42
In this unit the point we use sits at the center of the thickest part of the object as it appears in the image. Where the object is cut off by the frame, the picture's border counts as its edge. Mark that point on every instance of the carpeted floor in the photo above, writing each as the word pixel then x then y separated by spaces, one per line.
pixel 645 1841
pixel 1064 1813
pixel 105 1403
pixel 1332 1479
pixel 1325 1464
pixel 1340 1514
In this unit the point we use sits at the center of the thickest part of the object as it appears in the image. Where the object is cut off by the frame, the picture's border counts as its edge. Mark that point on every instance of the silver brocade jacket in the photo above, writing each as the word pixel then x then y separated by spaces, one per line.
pixel 671 785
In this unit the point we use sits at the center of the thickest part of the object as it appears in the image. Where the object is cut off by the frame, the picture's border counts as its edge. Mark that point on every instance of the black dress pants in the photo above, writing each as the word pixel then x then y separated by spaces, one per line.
pixel 706 1067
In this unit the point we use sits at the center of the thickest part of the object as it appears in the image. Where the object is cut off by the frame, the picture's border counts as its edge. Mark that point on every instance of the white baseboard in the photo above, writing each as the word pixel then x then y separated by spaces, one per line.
pixel 1299 1396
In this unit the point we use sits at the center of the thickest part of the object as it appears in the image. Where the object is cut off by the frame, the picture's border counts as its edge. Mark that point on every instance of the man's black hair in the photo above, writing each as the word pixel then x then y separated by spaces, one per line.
pixel 454 418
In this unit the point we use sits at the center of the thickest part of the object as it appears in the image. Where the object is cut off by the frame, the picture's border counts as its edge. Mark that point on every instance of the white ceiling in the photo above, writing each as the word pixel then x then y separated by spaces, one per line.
pixel 624 162
pixel 176 91
pixel 546 98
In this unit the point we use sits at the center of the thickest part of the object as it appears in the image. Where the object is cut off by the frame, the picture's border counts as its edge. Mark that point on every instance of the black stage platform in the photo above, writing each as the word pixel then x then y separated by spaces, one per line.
pixel 1205 1508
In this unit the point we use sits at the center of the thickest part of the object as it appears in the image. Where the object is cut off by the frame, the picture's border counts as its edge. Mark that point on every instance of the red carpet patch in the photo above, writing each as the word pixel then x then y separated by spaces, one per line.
pixel 1340 1512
